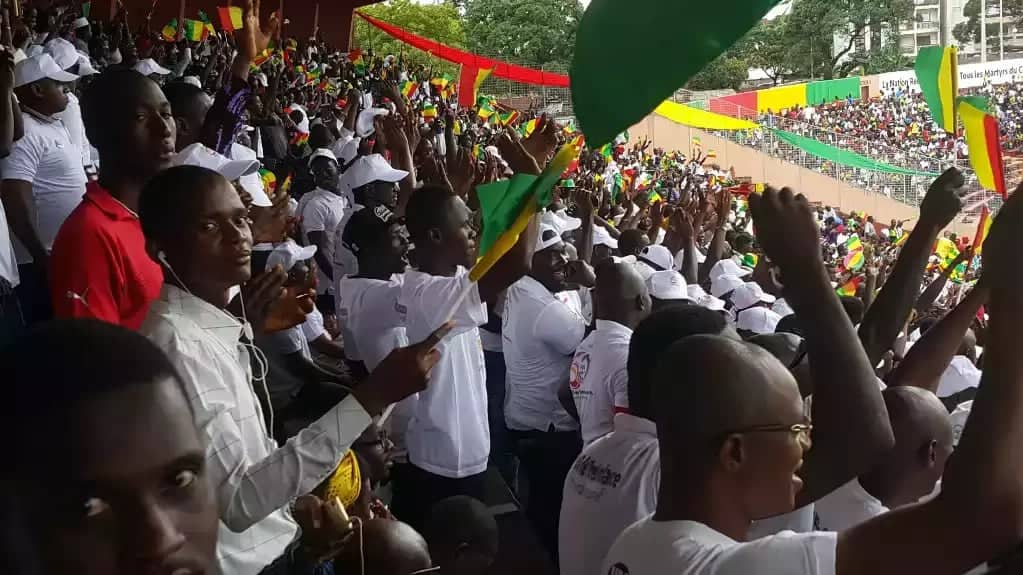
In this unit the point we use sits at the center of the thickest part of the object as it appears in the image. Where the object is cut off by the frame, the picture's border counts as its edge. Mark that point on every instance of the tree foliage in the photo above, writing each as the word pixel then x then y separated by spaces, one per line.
pixel 440 22
pixel 535 33
pixel 968 31
pixel 724 72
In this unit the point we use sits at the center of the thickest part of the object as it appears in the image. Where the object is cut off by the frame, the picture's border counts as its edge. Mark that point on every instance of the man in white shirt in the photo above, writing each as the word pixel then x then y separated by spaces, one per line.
pixel 43 179
pixel 447 437
pixel 67 59
pixel 614 481
pixel 731 446
pixel 320 212
pixel 197 227
pixel 598 379
pixel 540 336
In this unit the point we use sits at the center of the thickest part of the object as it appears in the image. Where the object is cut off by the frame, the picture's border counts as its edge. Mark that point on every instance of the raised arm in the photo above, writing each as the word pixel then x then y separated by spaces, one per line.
pixel 979 513
pixel 931 293
pixel 851 428
pixel 891 307
pixel 584 209
pixel 717 243
pixel 928 358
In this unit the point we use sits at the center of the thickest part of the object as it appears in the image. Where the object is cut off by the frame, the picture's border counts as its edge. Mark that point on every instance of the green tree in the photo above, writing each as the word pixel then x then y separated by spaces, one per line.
pixel 535 33
pixel 766 47
pixel 724 72
pixel 439 22
pixel 968 31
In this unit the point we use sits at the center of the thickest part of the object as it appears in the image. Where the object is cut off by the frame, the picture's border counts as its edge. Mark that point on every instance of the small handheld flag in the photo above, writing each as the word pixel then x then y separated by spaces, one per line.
pixel 982 138
pixel 170 30
pixel 194 30
pixel 937 73
pixel 230 17
pixel 850 287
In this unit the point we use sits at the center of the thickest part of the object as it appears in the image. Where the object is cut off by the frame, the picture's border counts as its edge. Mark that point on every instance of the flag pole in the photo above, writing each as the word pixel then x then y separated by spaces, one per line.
pixel 181 20
pixel 316 19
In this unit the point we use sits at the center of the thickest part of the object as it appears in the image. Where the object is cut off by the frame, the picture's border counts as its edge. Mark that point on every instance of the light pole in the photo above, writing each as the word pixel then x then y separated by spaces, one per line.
pixel 983 31
pixel 1001 30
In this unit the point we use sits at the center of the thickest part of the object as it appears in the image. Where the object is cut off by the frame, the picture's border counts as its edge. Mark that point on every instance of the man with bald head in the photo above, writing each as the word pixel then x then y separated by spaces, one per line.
pixel 923 442
pixel 386 547
pixel 598 379
pixel 736 448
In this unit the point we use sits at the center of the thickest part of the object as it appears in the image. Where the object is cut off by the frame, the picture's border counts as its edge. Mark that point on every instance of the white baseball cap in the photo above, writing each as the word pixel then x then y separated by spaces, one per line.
pixel 782 308
pixel 601 237
pixel 659 256
pixel 149 67
pixel 63 52
pixel 560 221
pixel 287 254
pixel 303 124
pixel 199 155
pixel 724 284
pixel 704 299
pixel 758 320
pixel 322 153
pixel 728 267
pixel 364 123
pixel 85 66
pixel 369 169
pixel 36 68
pixel 750 294
pixel 546 237
pixel 79 23
pixel 251 183
pixel 667 285
pixel 193 80
pixel 349 151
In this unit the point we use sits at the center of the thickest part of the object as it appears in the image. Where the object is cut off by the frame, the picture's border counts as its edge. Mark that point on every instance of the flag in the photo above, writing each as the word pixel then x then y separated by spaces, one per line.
pixel 850 287
pixel 902 239
pixel 507 118
pixel 230 17
pixel 983 227
pixel 690 35
pixel 654 197
pixel 206 23
pixel 711 154
pixel 528 128
pixel 194 30
pixel 982 138
pixel 170 30
pixel 469 84
pixel 262 58
pixel 936 71
pixel 409 89
pixel 697 143
pixel 300 139
pixel 508 205
pixel 86 9
pixel 477 151
pixel 947 251
pixel 269 181
pixel 355 57
pixel 441 82
pixel 486 107
pixel 854 261
pixel 429 112
pixel 853 244
pixel 607 151
pixel 286 185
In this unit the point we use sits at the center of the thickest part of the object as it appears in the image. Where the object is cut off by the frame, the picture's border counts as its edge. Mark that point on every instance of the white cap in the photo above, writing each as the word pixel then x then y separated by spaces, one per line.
pixel 322 153
pixel 261 79
pixel 36 68
pixel 63 52
pixel 644 270
pixel 782 308
pixel 149 66
pixel 79 23
pixel 750 294
pixel 560 221
pixel 251 183
pixel 364 123
pixel 659 256
pixel 723 284
pixel 960 375
pixel 704 299
pixel 546 237
pixel 85 66
pixel 601 237
pixel 728 267
pixel 303 124
pixel 192 80
pixel 667 285
pixel 199 155
pixel 371 168
pixel 758 320
pixel 33 50
pixel 349 151
pixel 287 254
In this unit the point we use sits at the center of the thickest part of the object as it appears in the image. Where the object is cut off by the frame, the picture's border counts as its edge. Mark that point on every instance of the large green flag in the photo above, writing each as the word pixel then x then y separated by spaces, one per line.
pixel 660 45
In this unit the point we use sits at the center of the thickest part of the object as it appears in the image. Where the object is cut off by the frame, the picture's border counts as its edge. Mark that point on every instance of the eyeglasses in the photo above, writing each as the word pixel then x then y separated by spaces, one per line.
pixel 801 431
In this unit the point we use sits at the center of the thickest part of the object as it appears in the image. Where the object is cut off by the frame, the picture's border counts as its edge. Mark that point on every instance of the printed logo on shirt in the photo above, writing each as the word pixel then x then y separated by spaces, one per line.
pixel 580 365
pixel 594 471
pixel 618 569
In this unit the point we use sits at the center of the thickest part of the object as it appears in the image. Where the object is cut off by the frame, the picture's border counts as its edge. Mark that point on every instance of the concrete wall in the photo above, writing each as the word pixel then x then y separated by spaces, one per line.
pixel 766 169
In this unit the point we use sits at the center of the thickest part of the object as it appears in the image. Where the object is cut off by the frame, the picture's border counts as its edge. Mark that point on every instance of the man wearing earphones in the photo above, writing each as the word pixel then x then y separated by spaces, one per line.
pixel 197 227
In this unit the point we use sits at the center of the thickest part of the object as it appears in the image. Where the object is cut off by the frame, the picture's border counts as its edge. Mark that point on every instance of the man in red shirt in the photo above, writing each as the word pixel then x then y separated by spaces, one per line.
pixel 99 267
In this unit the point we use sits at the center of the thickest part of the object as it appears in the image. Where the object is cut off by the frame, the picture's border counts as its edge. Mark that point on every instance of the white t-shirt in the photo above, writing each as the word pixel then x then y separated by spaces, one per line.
pixel 312 327
pixel 846 507
pixel 651 547
pixel 449 434
pixel 599 380
pixel 345 262
pixel 322 211
pixel 540 335
pixel 372 311
pixel 612 484
pixel 47 158
pixel 8 261
pixel 959 416
pixel 960 375
pixel 72 118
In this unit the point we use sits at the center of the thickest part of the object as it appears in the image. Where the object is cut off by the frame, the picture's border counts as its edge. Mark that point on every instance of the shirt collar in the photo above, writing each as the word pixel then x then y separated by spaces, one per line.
pixel 697 531
pixel 206 316
pixel 613 328
pixel 108 204
pixel 627 423
pixel 39 116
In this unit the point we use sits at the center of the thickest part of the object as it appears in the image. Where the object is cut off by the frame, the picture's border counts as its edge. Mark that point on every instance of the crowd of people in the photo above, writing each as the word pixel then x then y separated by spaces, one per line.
pixel 234 283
